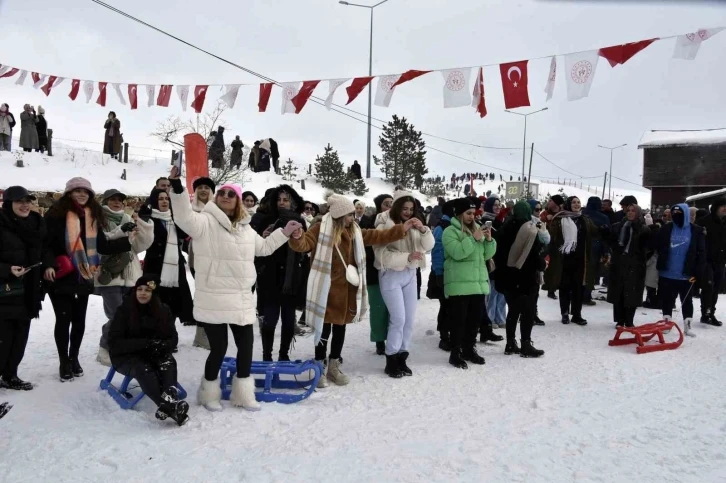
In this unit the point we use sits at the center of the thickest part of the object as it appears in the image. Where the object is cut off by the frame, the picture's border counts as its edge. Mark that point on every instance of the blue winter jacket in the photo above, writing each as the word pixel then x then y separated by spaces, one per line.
pixel 680 242
pixel 437 254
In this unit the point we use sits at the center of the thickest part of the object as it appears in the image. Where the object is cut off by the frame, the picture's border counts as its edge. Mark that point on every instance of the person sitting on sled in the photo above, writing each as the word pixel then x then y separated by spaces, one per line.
pixel 141 340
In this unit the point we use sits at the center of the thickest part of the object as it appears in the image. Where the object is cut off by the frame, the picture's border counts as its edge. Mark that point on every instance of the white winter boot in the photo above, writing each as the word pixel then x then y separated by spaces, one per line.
pixel 323 381
pixel 335 374
pixel 687 328
pixel 200 339
pixel 103 357
pixel 243 393
pixel 210 395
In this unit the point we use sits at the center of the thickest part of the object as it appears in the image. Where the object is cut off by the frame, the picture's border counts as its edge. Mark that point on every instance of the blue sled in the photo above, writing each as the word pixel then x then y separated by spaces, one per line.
pixel 272 372
pixel 122 395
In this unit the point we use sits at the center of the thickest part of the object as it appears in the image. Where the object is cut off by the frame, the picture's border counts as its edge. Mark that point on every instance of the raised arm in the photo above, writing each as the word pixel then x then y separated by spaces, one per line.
pixel 308 241
pixel 194 224
pixel 383 237
pixel 144 236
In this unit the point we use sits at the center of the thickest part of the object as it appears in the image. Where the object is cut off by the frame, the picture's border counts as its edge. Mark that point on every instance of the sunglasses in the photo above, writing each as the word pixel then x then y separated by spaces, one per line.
pixel 228 194
pixel 309 208
pixel 538 209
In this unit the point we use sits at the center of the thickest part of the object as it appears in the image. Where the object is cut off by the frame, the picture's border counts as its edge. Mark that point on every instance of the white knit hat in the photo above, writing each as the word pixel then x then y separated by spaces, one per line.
pixel 339 205
pixel 401 194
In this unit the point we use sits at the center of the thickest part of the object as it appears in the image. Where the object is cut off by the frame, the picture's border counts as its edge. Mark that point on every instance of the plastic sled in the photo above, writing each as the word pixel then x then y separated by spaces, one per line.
pixel 646 333
pixel 272 372
pixel 122 395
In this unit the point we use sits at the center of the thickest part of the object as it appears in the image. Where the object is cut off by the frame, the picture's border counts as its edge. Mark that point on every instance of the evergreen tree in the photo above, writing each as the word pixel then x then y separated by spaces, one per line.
pixel 358 186
pixel 404 157
pixel 330 172
pixel 289 171
pixel 433 187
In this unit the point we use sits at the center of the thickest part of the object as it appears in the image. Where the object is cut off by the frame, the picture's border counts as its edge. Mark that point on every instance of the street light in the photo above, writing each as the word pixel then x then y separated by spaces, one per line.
pixel 370 73
pixel 610 183
pixel 524 140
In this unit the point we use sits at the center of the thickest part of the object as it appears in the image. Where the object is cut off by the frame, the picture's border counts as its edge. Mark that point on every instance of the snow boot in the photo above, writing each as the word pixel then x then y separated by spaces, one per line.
pixel 16 384
pixel 4 408
pixel 65 372
pixel 243 393
pixel 488 334
pixel 392 368
pixel 200 339
pixel 456 360
pixel 565 319
pixel 444 343
pixel 335 375
pixel 402 357
pixel 76 368
pixel 528 350
pixel 323 381
pixel 687 328
pixel 470 354
pixel 538 321
pixel 577 319
pixel 552 295
pixel 381 348
pixel 511 347
pixel 714 321
pixel 210 395
pixel 103 357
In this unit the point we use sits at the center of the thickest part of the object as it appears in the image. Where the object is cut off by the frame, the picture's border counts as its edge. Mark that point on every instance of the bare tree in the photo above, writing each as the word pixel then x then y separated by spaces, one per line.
pixel 172 131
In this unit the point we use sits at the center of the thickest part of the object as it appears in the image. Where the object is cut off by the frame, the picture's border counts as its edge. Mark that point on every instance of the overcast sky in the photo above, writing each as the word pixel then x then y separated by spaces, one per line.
pixel 312 39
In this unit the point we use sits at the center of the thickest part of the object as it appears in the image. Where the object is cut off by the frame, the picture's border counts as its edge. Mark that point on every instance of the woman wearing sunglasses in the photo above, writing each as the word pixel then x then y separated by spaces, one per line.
pixel 225 247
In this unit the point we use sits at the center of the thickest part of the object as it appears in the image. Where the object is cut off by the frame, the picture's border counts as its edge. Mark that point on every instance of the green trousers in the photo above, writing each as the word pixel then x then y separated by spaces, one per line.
pixel 378 314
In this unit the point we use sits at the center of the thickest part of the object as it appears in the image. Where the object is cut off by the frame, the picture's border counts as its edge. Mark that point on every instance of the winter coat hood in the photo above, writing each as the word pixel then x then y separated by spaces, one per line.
pixel 489 204
pixel 594 203
pixel 297 203
pixel 717 203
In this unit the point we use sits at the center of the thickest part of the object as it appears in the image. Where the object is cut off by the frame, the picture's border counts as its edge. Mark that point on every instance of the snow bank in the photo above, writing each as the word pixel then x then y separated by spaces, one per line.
pixel 653 139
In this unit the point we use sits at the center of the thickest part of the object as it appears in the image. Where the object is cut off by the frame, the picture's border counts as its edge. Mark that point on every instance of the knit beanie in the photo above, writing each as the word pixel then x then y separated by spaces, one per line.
pixel 234 187
pixel 149 280
pixel 464 204
pixel 203 181
pixel 401 194
pixel 339 206
pixel 628 200
pixel 558 200
pixel 78 182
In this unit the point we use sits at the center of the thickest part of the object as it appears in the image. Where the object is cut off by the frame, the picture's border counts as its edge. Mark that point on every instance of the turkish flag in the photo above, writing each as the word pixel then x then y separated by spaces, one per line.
pixel 304 94
pixel 514 82
pixel 164 96
pixel 478 102
pixel 101 101
pixel 75 87
pixel 620 54
pixel 410 75
pixel 200 93
pixel 49 85
pixel 133 97
pixel 265 92
pixel 356 87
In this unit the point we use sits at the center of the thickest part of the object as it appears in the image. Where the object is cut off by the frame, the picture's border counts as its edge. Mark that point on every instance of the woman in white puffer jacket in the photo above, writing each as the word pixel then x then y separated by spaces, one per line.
pixel 397 263
pixel 225 247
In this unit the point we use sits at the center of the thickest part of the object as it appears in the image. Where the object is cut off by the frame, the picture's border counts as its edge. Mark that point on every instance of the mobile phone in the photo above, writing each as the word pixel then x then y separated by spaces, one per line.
pixel 179 162
pixel 488 225
pixel 33 266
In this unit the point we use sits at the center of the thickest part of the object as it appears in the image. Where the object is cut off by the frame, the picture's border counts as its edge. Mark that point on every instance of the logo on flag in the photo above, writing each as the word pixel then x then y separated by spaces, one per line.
pixel 455 81
pixel 581 71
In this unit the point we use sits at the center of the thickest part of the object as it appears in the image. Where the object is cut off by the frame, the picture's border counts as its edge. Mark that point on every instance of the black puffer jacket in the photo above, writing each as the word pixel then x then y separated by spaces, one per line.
pixel 513 280
pixel 627 270
pixel 715 234
pixel 21 245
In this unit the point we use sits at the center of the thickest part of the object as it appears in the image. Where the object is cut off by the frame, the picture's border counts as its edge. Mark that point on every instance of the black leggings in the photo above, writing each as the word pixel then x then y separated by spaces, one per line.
pixel 13 339
pixel 571 289
pixel 442 320
pixel 465 319
pixel 521 308
pixel 271 313
pixel 154 375
pixel 336 345
pixel 70 323
pixel 217 335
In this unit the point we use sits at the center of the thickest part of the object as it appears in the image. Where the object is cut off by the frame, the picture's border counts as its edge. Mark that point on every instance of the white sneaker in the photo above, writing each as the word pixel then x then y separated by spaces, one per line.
pixel 103 357
pixel 687 328
pixel 210 395
pixel 243 393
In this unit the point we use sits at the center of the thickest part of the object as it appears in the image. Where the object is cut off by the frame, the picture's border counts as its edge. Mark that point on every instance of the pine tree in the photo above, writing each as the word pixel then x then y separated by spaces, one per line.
pixel 358 186
pixel 433 187
pixel 404 159
pixel 289 171
pixel 330 172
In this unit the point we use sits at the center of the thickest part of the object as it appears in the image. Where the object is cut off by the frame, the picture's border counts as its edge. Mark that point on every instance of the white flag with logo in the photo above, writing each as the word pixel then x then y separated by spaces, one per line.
pixel 289 91
pixel 183 92
pixel 333 85
pixel 151 93
pixel 88 90
pixel 385 89
pixel 687 45
pixel 456 87
pixel 550 88
pixel 579 73
pixel 41 80
pixel 117 88
pixel 230 97
pixel 21 79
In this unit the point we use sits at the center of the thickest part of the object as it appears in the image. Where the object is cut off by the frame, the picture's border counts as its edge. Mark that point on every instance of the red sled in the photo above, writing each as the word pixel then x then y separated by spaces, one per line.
pixel 645 333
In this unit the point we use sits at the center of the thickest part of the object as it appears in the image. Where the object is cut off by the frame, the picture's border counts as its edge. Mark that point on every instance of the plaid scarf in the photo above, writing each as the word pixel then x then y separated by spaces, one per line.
pixel 84 259
pixel 319 279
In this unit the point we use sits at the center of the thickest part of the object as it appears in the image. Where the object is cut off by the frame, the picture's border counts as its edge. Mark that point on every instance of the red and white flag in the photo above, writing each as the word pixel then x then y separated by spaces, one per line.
pixel 151 94
pixel 515 84
pixel 410 75
pixel 579 73
pixel 356 87
pixel 301 98
pixel 384 91
pixel 200 94
pixel 289 91
pixel 53 81
pixel 88 88
pixel 456 87
pixel 101 101
pixel 333 85
pixel 75 87
pixel 478 101
pixel 7 71
pixel 550 87
pixel 164 95
pixel 133 96
pixel 230 97
pixel 687 45
pixel 38 79
pixel 620 54
pixel 119 94
pixel 265 92
pixel 183 93
pixel 21 78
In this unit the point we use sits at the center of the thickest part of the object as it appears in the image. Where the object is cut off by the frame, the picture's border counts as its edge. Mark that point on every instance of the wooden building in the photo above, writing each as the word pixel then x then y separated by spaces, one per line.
pixel 678 164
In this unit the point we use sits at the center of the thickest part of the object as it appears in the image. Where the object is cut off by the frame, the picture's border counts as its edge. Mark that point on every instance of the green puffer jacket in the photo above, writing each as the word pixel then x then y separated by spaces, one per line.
pixel 465 271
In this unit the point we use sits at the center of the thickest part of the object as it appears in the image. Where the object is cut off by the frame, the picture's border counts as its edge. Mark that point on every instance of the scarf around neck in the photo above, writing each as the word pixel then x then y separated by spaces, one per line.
pixel 85 259
pixel 170 268
pixel 113 218
pixel 522 245
pixel 569 230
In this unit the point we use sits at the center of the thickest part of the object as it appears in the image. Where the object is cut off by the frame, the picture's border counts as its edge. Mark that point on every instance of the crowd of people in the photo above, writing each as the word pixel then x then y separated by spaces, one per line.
pixel 33 129
pixel 262 260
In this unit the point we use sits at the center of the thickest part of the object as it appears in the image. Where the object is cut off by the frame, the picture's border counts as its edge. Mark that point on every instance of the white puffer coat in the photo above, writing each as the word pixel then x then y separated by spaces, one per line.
pixel 394 256
pixel 224 259
pixel 141 242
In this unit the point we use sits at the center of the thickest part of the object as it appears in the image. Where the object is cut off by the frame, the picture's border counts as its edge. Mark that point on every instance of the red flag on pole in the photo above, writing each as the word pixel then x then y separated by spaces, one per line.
pixel 304 94
pixel 356 87
pixel 75 87
pixel 200 93
pixel 164 96
pixel 195 158
pixel 101 101
pixel 49 85
pixel 620 54
pixel 265 92
pixel 409 75
pixel 514 82
pixel 133 96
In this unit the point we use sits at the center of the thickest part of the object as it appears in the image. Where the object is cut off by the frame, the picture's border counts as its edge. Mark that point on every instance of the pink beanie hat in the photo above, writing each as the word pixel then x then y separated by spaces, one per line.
pixel 79 182
pixel 234 187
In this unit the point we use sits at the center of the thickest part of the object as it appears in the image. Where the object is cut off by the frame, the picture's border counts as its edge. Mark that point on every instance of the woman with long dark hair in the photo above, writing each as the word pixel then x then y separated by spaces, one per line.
pixel 21 234
pixel 141 340
pixel 71 256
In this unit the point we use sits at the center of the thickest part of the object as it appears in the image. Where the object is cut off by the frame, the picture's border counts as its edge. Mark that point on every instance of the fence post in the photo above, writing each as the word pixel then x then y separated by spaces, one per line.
pixel 123 175
pixel 50 142
pixel 302 184
pixel 126 153
pixel 310 170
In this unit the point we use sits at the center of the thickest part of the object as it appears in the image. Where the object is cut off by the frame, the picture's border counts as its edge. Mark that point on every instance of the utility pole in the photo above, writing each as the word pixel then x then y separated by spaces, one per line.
pixel 604 182
pixel 529 176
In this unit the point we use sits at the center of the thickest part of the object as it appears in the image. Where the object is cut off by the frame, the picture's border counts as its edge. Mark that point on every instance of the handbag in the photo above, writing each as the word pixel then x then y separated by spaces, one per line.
pixel 63 266
pixel 12 288
pixel 351 273
pixel 113 266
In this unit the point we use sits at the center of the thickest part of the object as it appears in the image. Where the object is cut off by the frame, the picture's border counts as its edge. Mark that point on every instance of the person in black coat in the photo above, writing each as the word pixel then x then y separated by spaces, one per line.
pixel 141 339
pixel 42 128
pixel 624 203
pixel 282 276
pixel 599 249
pixel 355 170
pixel 629 241
pixel 71 252
pixel 164 257
pixel 715 226
pixel 21 293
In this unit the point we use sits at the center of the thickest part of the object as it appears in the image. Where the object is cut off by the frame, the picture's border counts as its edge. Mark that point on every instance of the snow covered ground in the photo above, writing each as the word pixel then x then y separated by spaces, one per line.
pixel 585 412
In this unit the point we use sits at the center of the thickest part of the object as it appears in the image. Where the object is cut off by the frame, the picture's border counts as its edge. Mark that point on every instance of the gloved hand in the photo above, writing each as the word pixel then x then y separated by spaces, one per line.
pixel 290 228
pixel 127 227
